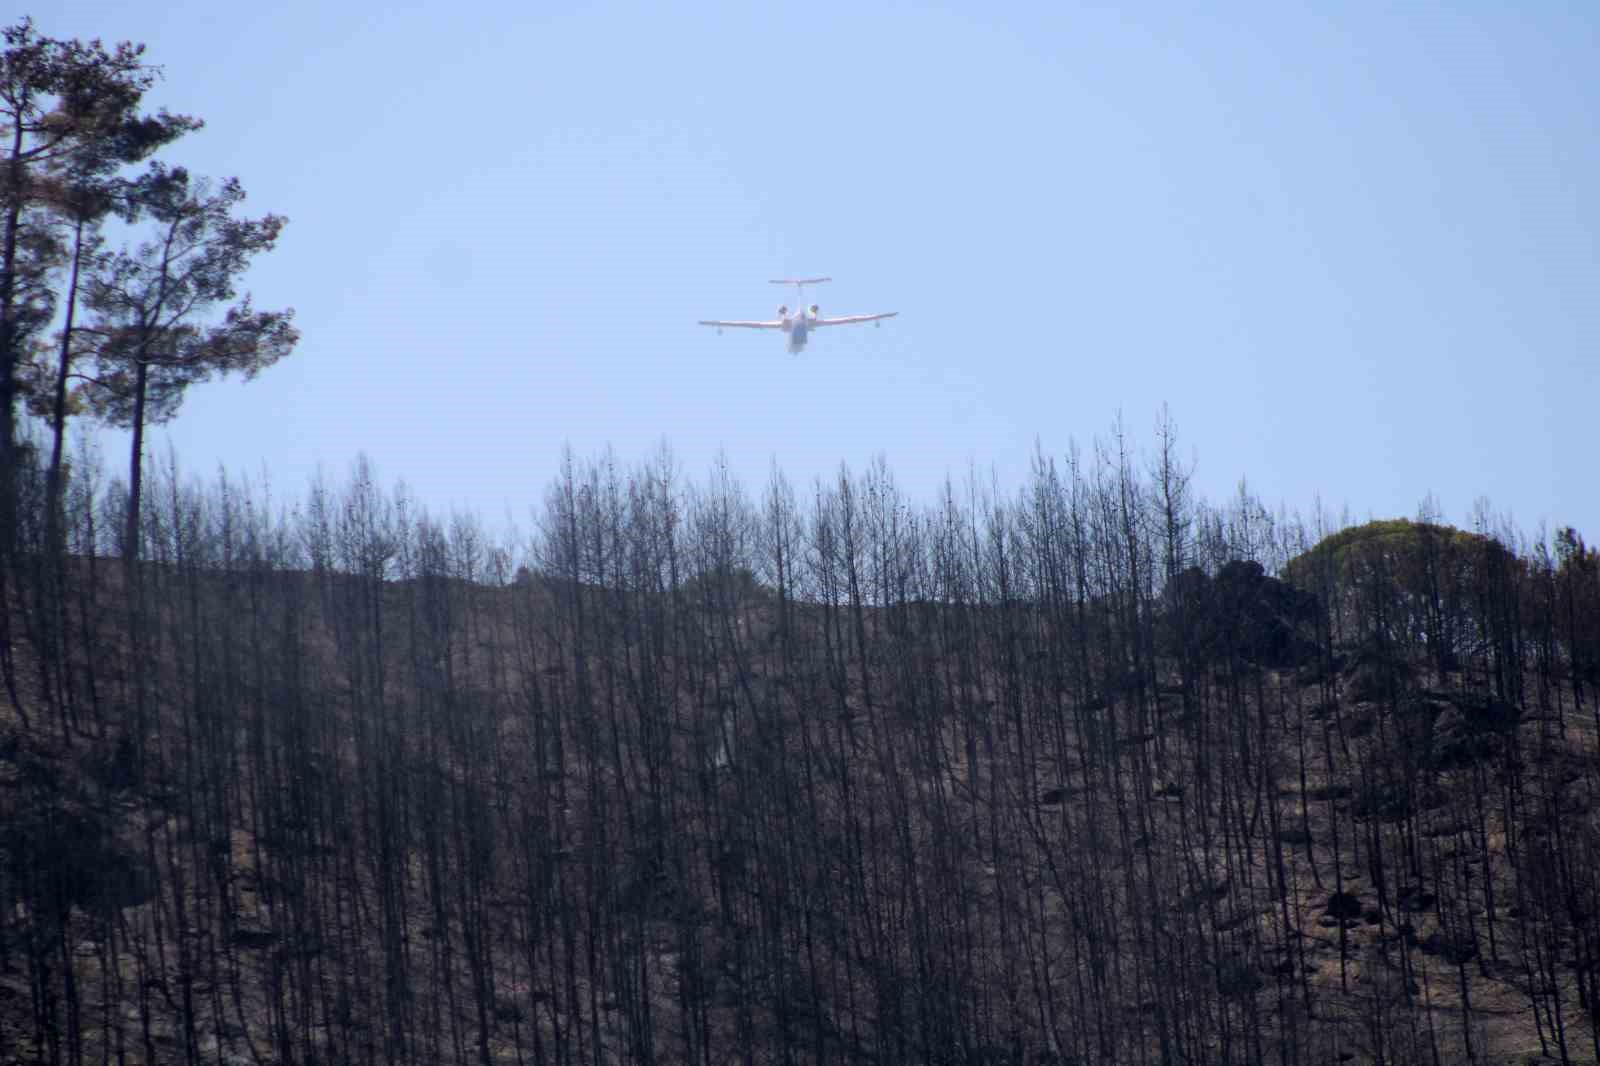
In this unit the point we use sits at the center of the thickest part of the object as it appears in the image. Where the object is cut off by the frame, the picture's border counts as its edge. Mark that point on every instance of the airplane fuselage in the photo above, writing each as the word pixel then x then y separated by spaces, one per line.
pixel 797 328
pixel 797 325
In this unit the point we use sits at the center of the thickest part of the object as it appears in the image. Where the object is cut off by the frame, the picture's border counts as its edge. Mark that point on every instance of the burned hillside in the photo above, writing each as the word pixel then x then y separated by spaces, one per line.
pixel 1098 774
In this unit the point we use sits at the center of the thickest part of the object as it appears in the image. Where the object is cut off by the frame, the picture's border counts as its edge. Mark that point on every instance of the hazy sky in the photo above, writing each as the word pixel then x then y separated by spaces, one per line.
pixel 1355 247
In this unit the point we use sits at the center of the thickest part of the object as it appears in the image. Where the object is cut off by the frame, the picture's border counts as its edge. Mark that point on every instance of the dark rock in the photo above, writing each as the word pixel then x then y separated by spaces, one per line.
pixel 254 939
pixel 1467 728
pixel 1457 951
pixel 76 859
pixel 1212 892
pixel 1230 922
pixel 1416 900
pixel 1384 799
pixel 1236 978
pixel 1242 611
pixel 1052 797
pixel 1344 906
pixel 1372 676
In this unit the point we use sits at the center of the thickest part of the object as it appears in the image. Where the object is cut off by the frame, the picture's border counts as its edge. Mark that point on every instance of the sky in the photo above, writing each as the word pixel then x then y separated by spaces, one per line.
pixel 1354 249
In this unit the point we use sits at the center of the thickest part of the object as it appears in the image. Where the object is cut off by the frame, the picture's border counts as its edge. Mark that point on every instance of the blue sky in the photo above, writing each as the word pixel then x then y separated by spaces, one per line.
pixel 1355 247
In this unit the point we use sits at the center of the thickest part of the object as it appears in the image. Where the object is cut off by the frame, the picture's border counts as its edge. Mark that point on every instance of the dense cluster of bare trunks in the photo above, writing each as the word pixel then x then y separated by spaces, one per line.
pixel 686 773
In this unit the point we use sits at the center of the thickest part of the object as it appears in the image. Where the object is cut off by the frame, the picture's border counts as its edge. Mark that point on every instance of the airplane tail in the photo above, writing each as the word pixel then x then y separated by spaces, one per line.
pixel 798 281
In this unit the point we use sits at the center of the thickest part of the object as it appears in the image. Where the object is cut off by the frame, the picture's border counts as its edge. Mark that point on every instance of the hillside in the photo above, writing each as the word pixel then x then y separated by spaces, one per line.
pixel 1102 774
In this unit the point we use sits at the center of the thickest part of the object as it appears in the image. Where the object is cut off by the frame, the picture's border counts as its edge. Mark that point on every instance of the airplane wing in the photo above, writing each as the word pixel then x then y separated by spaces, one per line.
pixel 845 320
pixel 774 324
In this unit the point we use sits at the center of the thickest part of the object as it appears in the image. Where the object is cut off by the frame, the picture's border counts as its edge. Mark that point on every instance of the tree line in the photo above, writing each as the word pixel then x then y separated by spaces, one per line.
pixel 1093 772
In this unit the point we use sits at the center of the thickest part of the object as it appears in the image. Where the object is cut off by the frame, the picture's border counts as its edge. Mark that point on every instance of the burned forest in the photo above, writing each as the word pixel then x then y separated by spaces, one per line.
pixel 1096 772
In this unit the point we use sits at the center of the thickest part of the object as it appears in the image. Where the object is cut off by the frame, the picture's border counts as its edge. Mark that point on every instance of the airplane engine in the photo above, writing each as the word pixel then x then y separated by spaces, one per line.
pixel 812 310
pixel 783 310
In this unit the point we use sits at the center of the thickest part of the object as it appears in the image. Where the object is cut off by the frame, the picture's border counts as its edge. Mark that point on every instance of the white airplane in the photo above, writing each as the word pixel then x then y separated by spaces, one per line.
pixel 799 324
